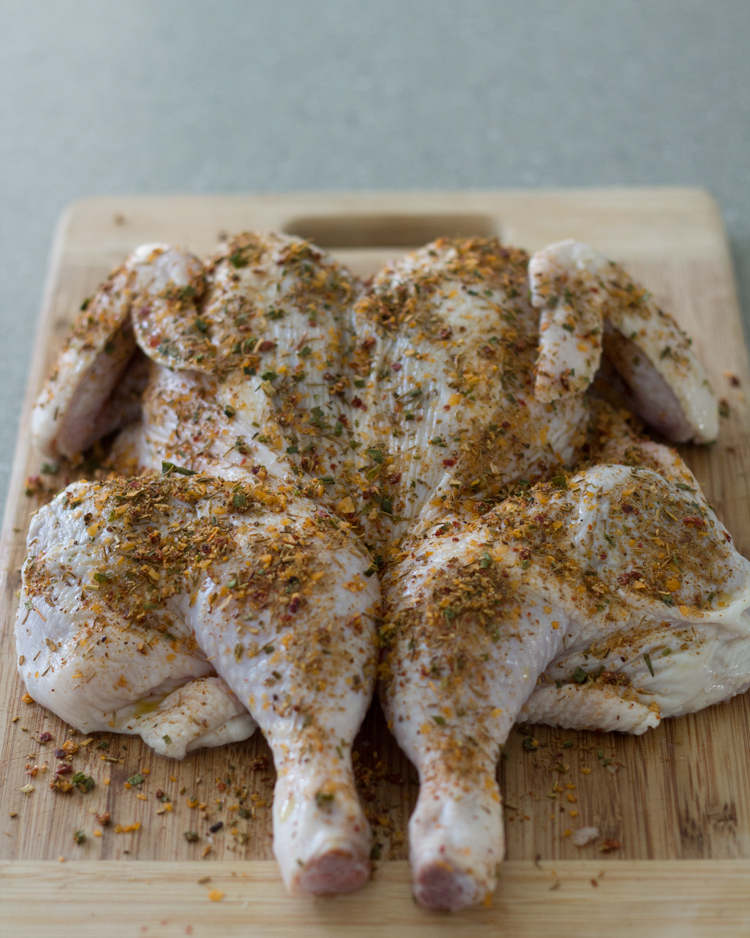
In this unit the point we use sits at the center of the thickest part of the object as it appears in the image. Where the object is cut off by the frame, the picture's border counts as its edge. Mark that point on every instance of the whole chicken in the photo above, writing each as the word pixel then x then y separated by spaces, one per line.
pixel 435 426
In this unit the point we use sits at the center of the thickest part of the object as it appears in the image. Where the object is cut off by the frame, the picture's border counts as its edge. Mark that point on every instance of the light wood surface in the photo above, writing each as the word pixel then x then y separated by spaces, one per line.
pixel 681 792
pixel 570 899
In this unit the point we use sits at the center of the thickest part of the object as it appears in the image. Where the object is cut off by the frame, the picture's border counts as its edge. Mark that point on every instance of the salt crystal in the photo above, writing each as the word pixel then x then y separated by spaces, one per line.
pixel 584 835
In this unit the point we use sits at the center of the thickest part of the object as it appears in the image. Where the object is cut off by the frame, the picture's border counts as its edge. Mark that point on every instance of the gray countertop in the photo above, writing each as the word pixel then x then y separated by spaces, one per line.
pixel 242 96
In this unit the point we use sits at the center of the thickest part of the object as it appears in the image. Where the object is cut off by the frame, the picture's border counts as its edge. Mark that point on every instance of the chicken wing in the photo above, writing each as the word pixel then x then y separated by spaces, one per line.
pixel 589 304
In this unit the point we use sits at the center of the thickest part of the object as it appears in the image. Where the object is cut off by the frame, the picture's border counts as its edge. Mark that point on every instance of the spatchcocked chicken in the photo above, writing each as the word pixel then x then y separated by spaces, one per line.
pixel 311 467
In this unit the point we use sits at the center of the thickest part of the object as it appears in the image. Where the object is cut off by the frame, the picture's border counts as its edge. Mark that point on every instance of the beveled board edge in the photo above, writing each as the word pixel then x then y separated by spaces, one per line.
pixel 567 899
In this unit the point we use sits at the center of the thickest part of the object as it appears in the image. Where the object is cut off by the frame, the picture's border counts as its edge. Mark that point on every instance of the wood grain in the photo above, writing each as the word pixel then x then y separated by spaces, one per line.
pixel 681 792
pixel 570 899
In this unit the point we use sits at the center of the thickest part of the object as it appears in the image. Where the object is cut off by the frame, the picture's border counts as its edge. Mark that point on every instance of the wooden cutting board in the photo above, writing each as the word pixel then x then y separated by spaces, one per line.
pixel 680 792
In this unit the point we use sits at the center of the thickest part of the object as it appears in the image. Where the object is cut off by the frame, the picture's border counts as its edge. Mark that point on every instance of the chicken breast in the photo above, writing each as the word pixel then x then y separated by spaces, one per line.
pixel 446 352
pixel 252 378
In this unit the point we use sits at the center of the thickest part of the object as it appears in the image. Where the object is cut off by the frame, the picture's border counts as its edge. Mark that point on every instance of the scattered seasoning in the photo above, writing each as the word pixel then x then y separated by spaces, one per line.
pixel 83 782
pixel 79 837
pixel 191 836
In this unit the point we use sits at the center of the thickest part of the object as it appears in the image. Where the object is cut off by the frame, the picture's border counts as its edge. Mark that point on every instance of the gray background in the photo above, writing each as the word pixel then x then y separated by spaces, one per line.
pixel 138 96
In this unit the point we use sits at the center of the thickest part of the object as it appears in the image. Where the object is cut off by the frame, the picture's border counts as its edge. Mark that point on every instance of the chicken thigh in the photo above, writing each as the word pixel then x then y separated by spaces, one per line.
pixel 104 658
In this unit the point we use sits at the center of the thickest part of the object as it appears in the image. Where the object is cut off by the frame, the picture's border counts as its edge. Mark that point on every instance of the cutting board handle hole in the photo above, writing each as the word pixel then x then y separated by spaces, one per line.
pixel 388 231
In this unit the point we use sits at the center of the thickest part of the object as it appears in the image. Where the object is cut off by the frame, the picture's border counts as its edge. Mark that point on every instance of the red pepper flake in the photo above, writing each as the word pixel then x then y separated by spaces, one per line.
pixel 609 845
pixel 695 521
pixel 449 462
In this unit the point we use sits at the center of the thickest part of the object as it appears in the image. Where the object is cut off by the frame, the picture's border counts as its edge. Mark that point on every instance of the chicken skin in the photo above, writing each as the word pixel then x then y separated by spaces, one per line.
pixel 446 343
pixel 261 356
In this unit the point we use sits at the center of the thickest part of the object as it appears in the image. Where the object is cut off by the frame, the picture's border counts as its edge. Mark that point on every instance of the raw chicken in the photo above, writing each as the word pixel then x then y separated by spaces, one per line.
pixel 675 633
pixel 590 304
pixel 66 418
pixel 602 600
pixel 103 658
pixel 465 638
pixel 268 340
pixel 406 409
pixel 129 585
pixel 446 346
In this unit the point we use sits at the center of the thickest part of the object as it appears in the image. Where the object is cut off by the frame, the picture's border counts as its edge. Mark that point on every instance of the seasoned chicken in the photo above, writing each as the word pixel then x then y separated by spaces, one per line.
pixel 262 358
pixel 465 638
pixel 66 417
pixel 436 425
pixel 601 600
pixel 104 658
pixel 590 305
pixel 674 634
pixel 446 346
pixel 131 587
